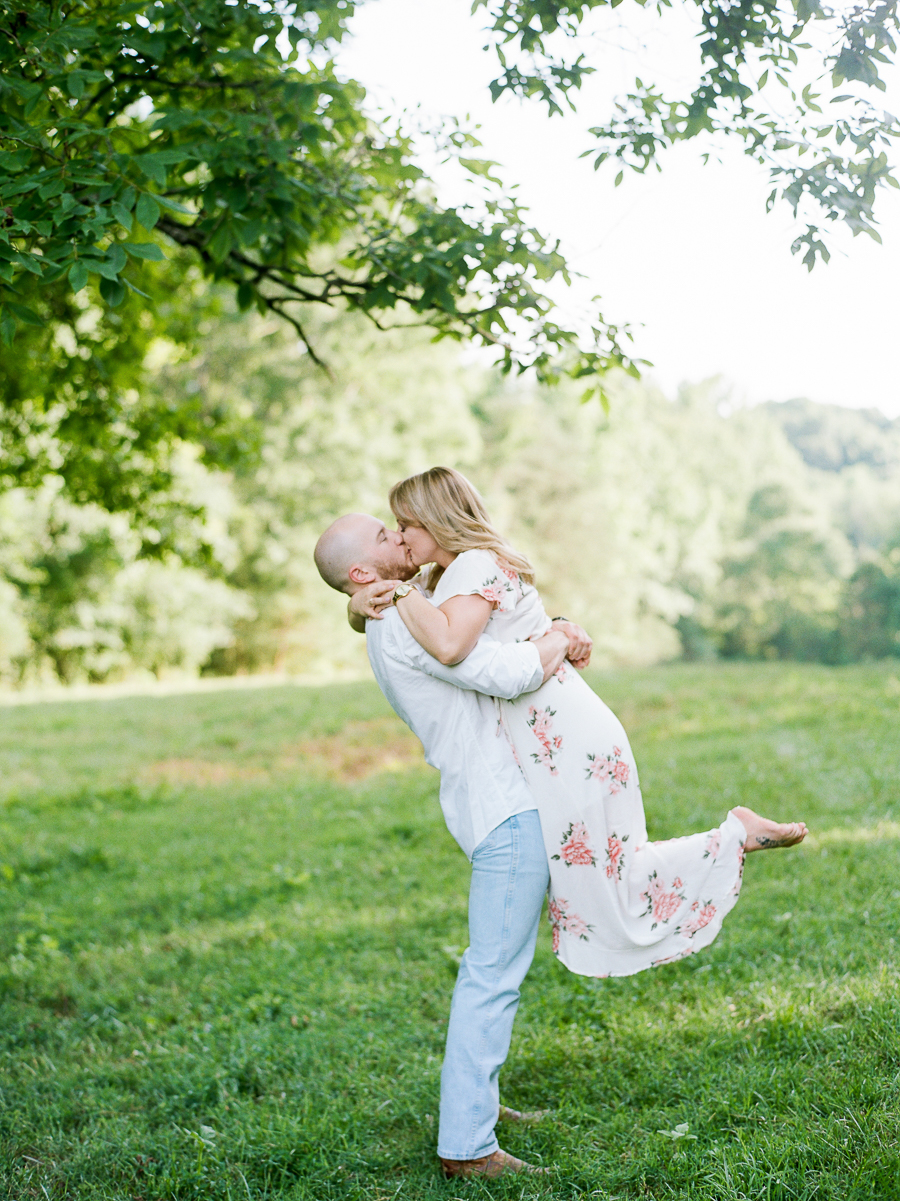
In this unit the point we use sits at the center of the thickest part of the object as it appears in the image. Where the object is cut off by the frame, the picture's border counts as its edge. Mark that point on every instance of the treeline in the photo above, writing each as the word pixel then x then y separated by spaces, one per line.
pixel 669 527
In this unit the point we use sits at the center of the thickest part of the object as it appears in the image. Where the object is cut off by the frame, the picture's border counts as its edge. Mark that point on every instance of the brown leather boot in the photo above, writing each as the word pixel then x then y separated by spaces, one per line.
pixel 501 1163
pixel 529 1117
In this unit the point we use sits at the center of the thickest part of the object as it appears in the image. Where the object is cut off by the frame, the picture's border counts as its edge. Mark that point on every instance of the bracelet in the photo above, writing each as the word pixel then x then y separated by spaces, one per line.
pixel 552 619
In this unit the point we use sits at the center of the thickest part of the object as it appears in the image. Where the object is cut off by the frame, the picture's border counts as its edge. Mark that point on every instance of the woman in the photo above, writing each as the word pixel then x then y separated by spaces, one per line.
pixel 618 903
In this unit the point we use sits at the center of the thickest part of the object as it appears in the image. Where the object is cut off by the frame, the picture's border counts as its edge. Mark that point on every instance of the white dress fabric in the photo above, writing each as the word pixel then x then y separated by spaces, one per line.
pixel 618 903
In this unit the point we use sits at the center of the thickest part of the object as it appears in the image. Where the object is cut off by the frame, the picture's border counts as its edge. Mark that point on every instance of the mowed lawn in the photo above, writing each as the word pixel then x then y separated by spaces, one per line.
pixel 231 924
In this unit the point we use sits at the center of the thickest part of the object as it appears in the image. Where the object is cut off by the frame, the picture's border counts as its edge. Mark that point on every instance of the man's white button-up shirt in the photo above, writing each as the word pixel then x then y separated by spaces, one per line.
pixel 451 711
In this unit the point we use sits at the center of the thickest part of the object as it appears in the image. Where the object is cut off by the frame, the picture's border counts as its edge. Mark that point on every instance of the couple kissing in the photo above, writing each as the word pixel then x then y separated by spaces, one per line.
pixel 538 783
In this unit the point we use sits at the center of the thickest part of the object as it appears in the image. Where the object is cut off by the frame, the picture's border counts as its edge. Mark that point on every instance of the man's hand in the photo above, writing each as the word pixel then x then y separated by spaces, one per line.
pixel 552 648
pixel 580 644
pixel 370 601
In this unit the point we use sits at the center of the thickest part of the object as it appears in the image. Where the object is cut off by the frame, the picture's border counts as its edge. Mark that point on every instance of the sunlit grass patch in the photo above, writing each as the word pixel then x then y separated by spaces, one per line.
pixel 361 749
pixel 199 773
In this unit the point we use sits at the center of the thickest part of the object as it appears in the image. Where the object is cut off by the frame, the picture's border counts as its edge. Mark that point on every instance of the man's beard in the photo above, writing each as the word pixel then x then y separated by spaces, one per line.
pixel 401 569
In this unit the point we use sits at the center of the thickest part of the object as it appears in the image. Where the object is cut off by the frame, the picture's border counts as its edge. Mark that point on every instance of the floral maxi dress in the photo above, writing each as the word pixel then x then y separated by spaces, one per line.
pixel 617 902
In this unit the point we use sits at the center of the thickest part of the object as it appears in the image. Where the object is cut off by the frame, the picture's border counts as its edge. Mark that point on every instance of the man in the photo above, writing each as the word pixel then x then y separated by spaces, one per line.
pixel 489 811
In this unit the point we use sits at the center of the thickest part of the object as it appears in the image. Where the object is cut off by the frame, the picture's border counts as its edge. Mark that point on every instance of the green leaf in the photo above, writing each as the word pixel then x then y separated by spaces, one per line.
pixel 144 250
pixel 174 206
pixel 134 288
pixel 15 160
pixel 249 231
pixel 479 166
pixel 54 188
pixel 7 328
pixel 122 215
pixel 245 294
pixel 116 257
pixel 78 276
pixel 147 211
pixel 30 262
pixel 152 168
pixel 220 243
pixel 75 84
pixel 24 314
pixel 112 291
pixel 101 267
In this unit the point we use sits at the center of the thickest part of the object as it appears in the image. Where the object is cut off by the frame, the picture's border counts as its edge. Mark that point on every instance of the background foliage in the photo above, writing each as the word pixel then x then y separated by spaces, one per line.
pixel 670 526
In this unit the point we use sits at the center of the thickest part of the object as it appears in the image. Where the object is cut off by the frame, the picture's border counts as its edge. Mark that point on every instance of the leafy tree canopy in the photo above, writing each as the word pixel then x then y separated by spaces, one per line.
pixel 772 74
pixel 224 126
pixel 218 134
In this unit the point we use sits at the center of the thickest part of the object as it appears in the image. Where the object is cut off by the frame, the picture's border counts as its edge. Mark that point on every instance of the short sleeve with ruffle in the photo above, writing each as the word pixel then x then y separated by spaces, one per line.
pixel 478 572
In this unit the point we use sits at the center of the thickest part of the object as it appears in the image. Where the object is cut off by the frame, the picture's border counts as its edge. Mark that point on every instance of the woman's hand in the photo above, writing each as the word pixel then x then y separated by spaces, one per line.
pixel 370 601
pixel 580 644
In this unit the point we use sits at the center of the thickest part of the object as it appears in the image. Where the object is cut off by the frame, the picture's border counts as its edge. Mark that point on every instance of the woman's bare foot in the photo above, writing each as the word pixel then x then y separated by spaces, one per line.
pixel 763 834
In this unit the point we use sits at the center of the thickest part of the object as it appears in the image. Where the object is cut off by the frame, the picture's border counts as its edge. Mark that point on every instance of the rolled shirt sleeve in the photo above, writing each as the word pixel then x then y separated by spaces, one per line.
pixel 504 669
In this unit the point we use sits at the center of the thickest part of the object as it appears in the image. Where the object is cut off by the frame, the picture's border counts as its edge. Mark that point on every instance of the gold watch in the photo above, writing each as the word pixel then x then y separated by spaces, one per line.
pixel 400 591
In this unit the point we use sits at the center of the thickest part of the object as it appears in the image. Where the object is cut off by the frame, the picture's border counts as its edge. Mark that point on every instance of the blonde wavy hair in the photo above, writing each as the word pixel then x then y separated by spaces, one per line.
pixel 443 502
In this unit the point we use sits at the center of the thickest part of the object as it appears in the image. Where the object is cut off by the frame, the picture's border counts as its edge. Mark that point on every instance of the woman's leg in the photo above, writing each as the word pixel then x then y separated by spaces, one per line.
pixel 619 902
pixel 763 834
pixel 509 880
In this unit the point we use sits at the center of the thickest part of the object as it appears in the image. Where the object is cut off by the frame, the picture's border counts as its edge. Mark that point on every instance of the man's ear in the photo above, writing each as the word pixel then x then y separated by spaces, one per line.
pixel 361 575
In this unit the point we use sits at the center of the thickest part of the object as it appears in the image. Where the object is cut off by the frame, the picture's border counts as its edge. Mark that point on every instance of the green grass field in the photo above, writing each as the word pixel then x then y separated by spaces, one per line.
pixel 230 924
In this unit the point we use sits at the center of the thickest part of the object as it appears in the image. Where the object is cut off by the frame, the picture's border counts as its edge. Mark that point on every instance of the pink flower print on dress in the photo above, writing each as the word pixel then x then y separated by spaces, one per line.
pixel 576 850
pixel 561 919
pixel 513 577
pixel 663 904
pixel 615 848
pixel 560 673
pixel 611 769
pixel 577 927
pixel 701 919
pixel 600 769
pixel 491 592
pixel 541 724
pixel 713 845
pixel 737 884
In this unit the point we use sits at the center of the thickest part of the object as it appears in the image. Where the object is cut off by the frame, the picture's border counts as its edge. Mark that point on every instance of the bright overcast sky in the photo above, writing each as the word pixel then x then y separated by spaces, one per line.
pixel 689 257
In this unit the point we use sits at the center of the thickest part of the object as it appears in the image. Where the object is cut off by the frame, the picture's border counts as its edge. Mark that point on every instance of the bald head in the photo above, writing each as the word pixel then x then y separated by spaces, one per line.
pixel 357 549
pixel 343 544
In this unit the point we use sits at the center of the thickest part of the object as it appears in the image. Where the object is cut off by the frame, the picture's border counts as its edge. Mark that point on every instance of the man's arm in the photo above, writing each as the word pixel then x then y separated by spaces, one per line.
pixel 504 669
pixel 356 620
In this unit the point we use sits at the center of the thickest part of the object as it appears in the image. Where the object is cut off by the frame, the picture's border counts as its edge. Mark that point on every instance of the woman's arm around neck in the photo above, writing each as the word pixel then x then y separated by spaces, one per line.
pixel 449 632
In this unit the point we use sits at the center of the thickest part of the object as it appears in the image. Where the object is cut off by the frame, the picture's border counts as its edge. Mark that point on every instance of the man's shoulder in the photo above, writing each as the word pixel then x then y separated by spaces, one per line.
pixel 385 634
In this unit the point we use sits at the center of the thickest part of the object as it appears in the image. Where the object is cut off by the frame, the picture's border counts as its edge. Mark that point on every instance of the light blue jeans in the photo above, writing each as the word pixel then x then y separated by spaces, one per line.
pixel 509 879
